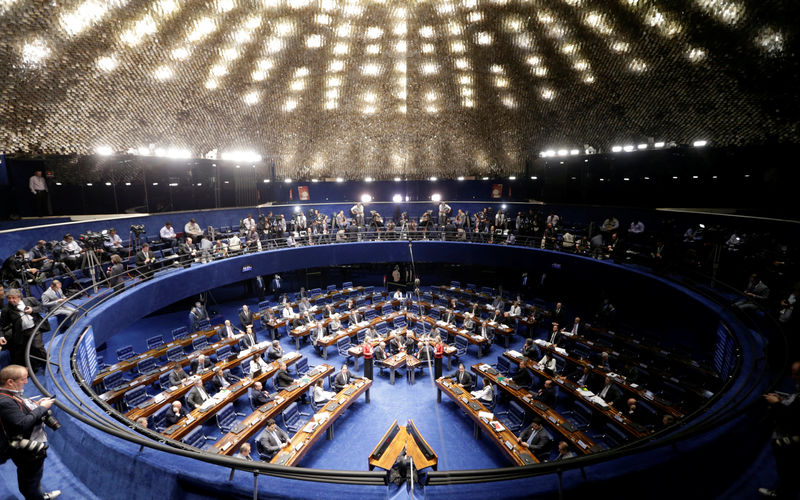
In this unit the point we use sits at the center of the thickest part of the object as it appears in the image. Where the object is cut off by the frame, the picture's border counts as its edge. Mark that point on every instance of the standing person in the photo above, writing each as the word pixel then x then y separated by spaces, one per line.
pixel 24 418
pixel 38 186
pixel 144 261
pixel 20 317
pixel 785 410
pixel 438 352
pixel 116 273
pixel 275 287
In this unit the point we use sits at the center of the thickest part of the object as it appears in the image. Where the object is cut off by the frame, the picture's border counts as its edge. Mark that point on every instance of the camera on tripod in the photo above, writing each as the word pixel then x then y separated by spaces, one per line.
pixel 137 229
pixel 92 240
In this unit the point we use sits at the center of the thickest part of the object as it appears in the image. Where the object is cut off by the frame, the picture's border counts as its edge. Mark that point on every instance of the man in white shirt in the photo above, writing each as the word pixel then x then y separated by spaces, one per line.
pixel 248 222
pixel 358 213
pixel 113 243
pixel 167 234
pixel 38 186
pixel 71 252
pixel 192 229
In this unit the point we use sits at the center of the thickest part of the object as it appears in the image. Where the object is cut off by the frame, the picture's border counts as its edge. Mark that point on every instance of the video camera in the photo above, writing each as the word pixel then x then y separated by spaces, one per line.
pixel 92 239
pixel 137 229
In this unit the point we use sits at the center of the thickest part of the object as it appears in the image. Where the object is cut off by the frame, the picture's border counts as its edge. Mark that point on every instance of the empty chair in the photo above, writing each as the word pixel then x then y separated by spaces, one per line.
pixel 314 292
pixel 226 418
pixel 399 322
pixel 146 366
pixel 361 336
pixel 135 396
pixel 514 417
pixel 414 309
pixel 503 365
pixel 203 324
pixel 196 438
pixel 368 290
pixel 175 353
pixel 126 352
pixel 386 309
pixel 435 314
pixel 370 314
pixel 199 343
pixel 342 345
pixel 331 288
pixel 347 284
pixel 292 418
pixel 163 381
pixel 158 419
pixel 580 415
pixel 180 332
pixel 382 328
pixel 487 290
pixel 472 286
pixel 455 284
pixel 613 436
pixel 223 352
pixel 301 366
pixel 155 341
pixel 361 302
pixel 461 347
pixel 113 380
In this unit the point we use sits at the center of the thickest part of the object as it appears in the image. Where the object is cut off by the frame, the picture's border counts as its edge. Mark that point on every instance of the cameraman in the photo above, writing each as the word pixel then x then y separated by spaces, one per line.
pixel 21 420
pixel 71 252
pixel 17 267
pixel 113 243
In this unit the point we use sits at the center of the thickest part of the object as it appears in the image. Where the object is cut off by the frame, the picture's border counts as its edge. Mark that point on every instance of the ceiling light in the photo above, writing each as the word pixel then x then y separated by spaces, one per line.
pixel 397 198
pixel 366 198
pixel 436 197
pixel 699 144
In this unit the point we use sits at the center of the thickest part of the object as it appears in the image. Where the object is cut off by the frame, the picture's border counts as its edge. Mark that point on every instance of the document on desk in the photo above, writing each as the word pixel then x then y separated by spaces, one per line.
pixel 485 414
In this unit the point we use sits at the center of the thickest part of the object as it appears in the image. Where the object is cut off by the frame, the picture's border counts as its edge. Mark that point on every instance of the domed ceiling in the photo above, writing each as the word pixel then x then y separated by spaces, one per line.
pixel 386 88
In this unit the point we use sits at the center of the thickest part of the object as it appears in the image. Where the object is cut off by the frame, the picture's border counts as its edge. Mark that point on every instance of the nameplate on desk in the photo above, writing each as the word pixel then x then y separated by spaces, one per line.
pixel 225 446
pixel 475 406
pixel 457 390
pixel 508 444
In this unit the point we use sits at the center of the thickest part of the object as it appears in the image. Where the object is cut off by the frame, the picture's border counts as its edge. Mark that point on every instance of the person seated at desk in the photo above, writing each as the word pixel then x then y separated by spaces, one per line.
pixel 258 395
pixel 530 350
pixel 334 325
pixel 248 340
pixel 523 377
pixel 485 395
pixel 462 377
pixel 576 328
pixel 605 364
pixel 197 395
pixel 547 393
pixel 583 376
pixel 258 365
pixel 246 317
pixel 174 414
pixel 316 335
pixel 342 378
pixel 536 439
pixel 469 322
pixel 379 353
pixel 449 317
pixel 329 311
pixel 514 311
pixel 495 316
pixel 304 305
pixel 282 377
pixel 397 344
pixel 201 365
pixel 275 351
pixel 371 334
pixel 548 364
pixel 498 304
pixel 609 392
pixel 244 452
pixel 320 394
pixel 555 335
pixel 398 295
pixel 564 452
pixel 635 412
pixel 228 331
pixel 178 377
pixel 424 352
pixel 290 316
pixel 307 319
pixel 221 380
pixel 355 317
pixel 273 439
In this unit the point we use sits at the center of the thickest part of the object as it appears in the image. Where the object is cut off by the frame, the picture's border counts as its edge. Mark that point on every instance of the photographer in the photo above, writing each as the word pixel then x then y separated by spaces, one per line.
pixel 42 261
pixel 18 267
pixel 71 252
pixel 23 438
pixel 19 319
pixel 112 242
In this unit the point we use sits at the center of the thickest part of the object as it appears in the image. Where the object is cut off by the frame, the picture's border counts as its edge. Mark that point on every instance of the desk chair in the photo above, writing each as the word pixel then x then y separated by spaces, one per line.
pixel 292 418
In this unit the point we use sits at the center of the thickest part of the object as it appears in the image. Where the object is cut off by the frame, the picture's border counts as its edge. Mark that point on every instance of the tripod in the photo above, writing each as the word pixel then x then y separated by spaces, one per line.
pixel 91 261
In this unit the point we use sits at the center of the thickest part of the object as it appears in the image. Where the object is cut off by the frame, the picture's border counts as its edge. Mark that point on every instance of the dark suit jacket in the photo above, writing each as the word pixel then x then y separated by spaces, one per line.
pixel 177 376
pixel 577 374
pixel 194 399
pixel 141 257
pixel 532 352
pixel 269 444
pixel 464 379
pixel 216 383
pixel 522 378
pixel 11 321
pixel 246 319
pixel 557 316
pixel 283 379
pixel 547 397
pixel 247 341
pixel 172 419
pixel 340 380
pixel 540 444
pixel 612 396
pixel 207 364
pixel 378 354
pixel 18 420
pixel 272 354
pixel 259 397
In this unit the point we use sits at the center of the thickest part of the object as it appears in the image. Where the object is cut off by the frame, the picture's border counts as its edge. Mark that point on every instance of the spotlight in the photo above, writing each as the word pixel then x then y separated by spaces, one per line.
pixel 659 144
pixel 436 197
pixel 366 198
pixel 563 152
pixel 104 150
pixel 367 179
pixel 512 178
pixel 574 152
pixel 616 149
pixel 397 179
pixel 398 198
pixel 699 144
pixel 460 178
pixel 296 208
pixel 314 180
pixel 628 148
pixel 287 180
pixel 339 179
pixel 266 181
pixel 433 179
pixel 533 177
pixel 503 206
pixel 642 146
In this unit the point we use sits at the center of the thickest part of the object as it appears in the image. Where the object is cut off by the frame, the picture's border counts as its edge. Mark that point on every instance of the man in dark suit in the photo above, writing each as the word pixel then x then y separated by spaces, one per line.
pixel 583 376
pixel 577 327
pixel 564 452
pixel 228 331
pixel 282 377
pixel 609 392
pixel 201 364
pixel 536 439
pixel 424 352
pixel 275 351
pixel 221 380
pixel 449 317
pixel 555 335
pixel 462 377
pixel 197 395
pixel 175 414
pixel 396 344
pixel 197 314
pixel 258 395
pixel 145 260
pixel 246 317
pixel 530 350
pixel 178 377
pixel 187 252
pixel 547 394
pixel 275 287
pixel 273 439
pixel 523 377
pixel 342 379
pixel 248 340
pixel 557 314
pixel 379 353
pixel 18 320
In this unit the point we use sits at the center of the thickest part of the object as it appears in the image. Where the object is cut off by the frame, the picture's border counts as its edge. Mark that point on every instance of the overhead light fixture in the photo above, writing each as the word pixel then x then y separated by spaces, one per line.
pixel 436 197
pixel 616 149
pixel 366 198
pixel 266 181
pixel 659 144
pixel 287 180
pixel 398 198
pixel 628 148
pixel 533 177
pixel 460 178
pixel 367 179
pixel 433 179
pixel 486 178
pixel 574 152
pixel 699 144
pixel 563 152
pixel 104 150
pixel 339 179
pixel 512 178
pixel 397 179
pixel 296 208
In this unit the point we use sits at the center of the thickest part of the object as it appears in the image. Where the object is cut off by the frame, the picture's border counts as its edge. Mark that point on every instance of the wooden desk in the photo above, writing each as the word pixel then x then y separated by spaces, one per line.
pixel 151 406
pixel 197 417
pixel 505 439
pixel 612 414
pixel 302 441
pixel 112 397
pixel 130 363
pixel 402 440
pixel 552 418
pixel 253 423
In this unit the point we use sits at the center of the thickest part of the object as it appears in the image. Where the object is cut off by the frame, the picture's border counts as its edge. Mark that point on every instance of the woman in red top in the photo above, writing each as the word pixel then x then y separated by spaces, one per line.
pixel 438 352
pixel 368 360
